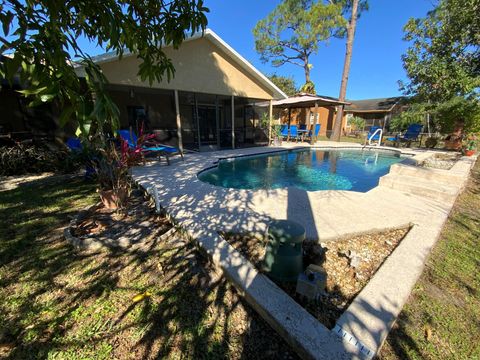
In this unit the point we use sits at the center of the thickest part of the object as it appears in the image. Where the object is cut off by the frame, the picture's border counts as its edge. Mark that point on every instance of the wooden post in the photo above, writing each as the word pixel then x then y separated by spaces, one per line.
pixel 270 118
pixel 233 122
pixel 179 121
pixel 313 138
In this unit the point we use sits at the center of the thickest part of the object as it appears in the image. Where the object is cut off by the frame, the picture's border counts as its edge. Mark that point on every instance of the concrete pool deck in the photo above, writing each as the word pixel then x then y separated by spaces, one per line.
pixel 326 215
pixel 203 210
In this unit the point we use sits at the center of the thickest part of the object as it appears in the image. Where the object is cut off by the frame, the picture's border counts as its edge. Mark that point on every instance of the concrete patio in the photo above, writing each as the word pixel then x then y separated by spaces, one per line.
pixel 326 215
pixel 203 210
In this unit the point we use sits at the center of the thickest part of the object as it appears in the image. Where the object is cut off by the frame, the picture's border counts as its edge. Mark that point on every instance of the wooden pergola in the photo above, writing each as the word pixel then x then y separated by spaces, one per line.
pixel 304 100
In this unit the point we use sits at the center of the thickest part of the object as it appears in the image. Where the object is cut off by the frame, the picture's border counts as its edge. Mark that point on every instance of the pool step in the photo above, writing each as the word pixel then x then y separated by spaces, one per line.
pixel 425 187
pixel 438 175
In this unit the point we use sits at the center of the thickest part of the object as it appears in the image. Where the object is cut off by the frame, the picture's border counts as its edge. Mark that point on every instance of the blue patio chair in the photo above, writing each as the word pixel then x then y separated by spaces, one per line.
pixel 74 144
pixel 293 132
pixel 284 131
pixel 161 150
pixel 412 134
pixel 315 132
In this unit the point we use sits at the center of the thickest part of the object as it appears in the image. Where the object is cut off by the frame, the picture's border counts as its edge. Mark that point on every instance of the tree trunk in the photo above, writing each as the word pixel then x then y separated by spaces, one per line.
pixel 337 128
pixel 307 70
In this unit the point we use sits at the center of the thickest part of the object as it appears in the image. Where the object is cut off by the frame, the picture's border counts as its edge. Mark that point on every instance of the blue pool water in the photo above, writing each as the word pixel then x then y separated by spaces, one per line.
pixel 310 169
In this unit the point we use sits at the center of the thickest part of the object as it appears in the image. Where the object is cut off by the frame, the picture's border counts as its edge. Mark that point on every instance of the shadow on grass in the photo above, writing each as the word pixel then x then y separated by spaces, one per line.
pixel 57 301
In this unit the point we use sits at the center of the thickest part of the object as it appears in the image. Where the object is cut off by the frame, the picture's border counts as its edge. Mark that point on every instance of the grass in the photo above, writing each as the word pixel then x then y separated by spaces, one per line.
pixel 441 319
pixel 359 140
pixel 60 303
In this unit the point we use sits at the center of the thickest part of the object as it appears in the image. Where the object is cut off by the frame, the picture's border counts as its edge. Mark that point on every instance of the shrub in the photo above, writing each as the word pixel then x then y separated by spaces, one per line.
pixel 456 109
pixel 23 158
pixel 414 115
pixel 357 123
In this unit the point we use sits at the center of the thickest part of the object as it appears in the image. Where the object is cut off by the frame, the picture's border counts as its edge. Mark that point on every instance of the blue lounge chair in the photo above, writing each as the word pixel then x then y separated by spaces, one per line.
pixel 293 132
pixel 284 131
pixel 372 131
pixel 411 134
pixel 162 150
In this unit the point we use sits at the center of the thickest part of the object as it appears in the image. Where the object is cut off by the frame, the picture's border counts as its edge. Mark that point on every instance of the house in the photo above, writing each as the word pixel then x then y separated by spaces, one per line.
pixel 308 109
pixel 215 100
pixel 375 112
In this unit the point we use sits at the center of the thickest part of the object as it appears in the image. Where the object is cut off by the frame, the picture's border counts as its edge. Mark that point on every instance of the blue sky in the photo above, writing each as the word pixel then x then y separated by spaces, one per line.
pixel 376 62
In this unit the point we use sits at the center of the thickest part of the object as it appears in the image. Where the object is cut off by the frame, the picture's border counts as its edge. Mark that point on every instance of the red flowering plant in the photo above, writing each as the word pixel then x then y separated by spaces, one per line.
pixel 133 152
pixel 115 162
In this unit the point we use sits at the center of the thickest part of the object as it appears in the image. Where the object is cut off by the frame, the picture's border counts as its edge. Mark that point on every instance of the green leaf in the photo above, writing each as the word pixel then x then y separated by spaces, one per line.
pixel 6 22
pixel 47 97
pixel 32 91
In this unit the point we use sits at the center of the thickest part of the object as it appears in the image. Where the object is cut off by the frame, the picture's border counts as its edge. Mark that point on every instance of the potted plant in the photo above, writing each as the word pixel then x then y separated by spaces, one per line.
pixel 470 145
pixel 277 135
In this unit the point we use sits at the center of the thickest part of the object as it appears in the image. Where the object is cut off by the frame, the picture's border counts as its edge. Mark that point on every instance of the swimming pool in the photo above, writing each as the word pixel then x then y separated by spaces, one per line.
pixel 307 169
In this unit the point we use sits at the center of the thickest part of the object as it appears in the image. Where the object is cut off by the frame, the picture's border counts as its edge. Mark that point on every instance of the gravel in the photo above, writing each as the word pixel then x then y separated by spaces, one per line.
pixel 349 263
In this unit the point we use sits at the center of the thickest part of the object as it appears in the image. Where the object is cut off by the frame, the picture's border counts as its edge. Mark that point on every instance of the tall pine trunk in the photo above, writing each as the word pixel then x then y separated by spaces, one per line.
pixel 337 128
pixel 306 69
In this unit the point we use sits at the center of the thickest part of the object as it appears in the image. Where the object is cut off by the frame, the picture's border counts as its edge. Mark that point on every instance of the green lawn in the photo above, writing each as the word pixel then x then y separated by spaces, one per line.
pixel 59 303
pixel 441 319
pixel 359 140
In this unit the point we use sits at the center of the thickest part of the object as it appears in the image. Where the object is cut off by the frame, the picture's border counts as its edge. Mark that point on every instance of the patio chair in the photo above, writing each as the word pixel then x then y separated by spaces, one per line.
pixel 303 127
pixel 293 132
pixel 315 132
pixel 75 146
pixel 372 131
pixel 161 150
pixel 412 134
pixel 284 131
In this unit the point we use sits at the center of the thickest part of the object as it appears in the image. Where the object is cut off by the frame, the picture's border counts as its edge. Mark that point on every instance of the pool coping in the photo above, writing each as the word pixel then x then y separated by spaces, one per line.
pixel 305 334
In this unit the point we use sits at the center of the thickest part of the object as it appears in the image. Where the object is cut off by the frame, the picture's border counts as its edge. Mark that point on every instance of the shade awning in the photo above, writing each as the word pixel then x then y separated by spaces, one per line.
pixel 307 100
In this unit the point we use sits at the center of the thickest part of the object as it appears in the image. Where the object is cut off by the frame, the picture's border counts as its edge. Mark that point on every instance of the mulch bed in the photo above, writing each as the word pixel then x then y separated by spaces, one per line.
pixel 349 264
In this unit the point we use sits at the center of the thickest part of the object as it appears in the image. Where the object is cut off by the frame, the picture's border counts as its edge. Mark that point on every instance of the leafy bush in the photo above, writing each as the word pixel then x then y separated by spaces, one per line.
pixel 414 115
pixel 357 122
pixel 458 109
pixel 22 158
pixel 443 116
